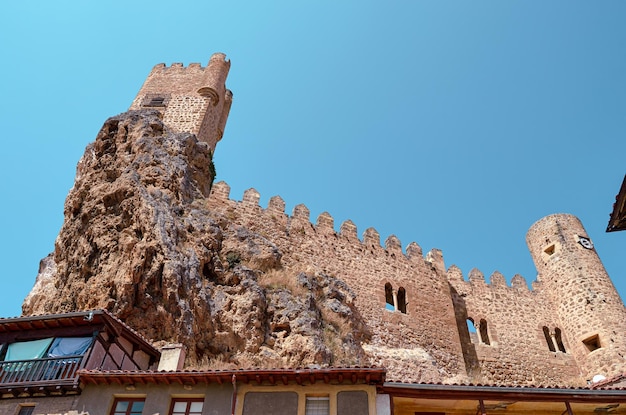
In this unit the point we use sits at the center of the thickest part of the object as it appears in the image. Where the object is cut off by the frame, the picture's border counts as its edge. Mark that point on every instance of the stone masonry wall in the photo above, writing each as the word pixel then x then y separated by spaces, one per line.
pixel 414 346
pixel 438 302
pixel 517 349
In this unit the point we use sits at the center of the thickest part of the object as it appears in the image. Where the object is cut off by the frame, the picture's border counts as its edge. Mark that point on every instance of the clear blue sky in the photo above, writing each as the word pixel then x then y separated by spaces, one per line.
pixel 454 124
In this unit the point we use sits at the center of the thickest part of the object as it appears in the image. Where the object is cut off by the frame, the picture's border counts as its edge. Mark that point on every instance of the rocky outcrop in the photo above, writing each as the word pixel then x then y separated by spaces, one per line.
pixel 139 241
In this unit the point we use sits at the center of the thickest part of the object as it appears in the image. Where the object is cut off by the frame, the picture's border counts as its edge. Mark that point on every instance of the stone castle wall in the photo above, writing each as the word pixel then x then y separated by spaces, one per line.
pixel 515 346
pixel 514 318
pixel 366 267
pixel 565 330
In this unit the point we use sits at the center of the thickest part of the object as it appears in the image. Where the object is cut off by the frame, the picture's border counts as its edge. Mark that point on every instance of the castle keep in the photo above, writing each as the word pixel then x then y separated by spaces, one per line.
pixel 192 99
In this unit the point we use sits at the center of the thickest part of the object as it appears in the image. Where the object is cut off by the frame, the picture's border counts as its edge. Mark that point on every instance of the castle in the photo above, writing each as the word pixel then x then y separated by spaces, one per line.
pixel 569 328
pixel 149 241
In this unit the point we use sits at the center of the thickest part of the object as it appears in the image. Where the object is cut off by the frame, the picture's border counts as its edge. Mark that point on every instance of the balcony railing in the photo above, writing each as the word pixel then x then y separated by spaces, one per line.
pixel 48 370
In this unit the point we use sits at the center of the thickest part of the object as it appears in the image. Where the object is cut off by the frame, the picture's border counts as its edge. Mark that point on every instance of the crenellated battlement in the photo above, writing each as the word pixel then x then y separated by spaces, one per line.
pixel 324 224
pixel 370 239
pixel 476 278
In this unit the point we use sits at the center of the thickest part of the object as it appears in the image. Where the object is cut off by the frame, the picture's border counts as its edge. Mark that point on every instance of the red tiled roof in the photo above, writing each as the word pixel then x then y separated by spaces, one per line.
pixel 608 383
pixel 75 319
pixel 353 375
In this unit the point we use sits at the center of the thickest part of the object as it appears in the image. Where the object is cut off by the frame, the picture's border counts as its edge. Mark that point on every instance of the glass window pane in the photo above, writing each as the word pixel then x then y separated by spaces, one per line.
pixel 180 406
pixel 129 406
pixel 270 403
pixel 137 408
pixel 196 407
pixel 26 410
pixel 29 350
pixel 317 405
pixel 121 406
pixel 69 346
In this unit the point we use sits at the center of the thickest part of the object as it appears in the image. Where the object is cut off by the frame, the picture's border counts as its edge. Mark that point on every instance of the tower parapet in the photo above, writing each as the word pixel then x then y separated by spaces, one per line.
pixel 191 99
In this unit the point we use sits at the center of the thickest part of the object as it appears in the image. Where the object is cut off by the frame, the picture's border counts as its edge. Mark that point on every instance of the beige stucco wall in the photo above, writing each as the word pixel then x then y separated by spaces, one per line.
pixel 318 389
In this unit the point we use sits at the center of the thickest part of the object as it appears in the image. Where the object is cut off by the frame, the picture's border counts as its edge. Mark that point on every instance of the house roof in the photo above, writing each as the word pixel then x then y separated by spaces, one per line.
pixel 617 222
pixel 353 375
pixel 509 393
pixel 53 323
pixel 615 382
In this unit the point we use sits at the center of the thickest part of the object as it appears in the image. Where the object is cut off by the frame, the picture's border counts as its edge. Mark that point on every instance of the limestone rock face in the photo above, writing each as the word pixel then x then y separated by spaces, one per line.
pixel 139 241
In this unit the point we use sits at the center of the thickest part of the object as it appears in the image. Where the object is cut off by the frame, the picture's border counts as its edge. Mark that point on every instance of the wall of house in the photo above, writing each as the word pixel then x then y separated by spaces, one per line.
pixel 114 352
pixel 43 405
pixel 98 399
pixel 291 399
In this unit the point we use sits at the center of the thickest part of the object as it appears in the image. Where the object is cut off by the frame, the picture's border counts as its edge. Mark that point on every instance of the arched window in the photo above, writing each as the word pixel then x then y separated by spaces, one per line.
pixel 471 328
pixel 559 340
pixel 484 336
pixel 546 333
pixel 402 300
pixel 389 298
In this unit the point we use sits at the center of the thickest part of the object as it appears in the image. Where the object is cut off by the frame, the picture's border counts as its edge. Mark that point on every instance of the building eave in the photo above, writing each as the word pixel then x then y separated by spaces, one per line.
pixel 617 222
pixel 52 322
pixel 484 393
pixel 272 377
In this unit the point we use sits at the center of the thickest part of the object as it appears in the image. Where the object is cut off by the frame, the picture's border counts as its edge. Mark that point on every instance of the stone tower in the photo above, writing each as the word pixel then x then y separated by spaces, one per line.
pixel 192 99
pixel 587 306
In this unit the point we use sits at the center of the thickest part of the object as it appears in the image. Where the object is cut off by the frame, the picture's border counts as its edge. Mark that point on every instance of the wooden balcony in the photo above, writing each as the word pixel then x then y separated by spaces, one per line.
pixel 45 376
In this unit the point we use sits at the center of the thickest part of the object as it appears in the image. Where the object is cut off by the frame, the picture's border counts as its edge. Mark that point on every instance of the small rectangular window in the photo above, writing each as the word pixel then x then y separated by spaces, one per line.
pixel 352 402
pixel 592 343
pixel 155 100
pixel 187 406
pixel 127 406
pixel 317 405
pixel 549 250
pixel 270 403
pixel 26 410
